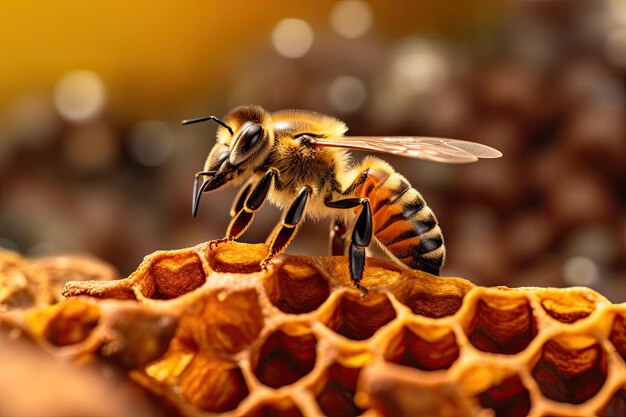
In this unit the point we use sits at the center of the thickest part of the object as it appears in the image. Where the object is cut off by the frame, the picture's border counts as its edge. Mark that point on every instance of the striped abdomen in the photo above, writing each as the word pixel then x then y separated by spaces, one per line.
pixel 402 222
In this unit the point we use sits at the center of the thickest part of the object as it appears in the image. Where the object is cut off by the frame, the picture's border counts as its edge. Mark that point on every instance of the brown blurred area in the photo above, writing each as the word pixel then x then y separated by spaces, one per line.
pixel 93 157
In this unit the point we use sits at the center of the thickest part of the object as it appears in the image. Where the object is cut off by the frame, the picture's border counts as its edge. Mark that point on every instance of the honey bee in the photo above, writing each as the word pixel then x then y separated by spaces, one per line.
pixel 299 161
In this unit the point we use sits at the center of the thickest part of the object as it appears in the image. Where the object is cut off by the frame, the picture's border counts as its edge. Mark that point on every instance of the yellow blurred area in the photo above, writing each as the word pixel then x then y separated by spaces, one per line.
pixel 155 55
pixel 152 52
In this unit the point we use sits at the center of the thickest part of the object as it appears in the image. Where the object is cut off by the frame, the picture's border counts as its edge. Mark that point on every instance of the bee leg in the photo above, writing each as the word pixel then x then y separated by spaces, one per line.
pixel 249 203
pixel 197 194
pixel 242 195
pixel 356 183
pixel 285 231
pixel 338 231
pixel 361 236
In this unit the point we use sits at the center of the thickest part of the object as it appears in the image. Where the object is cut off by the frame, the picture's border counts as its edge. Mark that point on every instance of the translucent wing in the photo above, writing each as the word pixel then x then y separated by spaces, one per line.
pixel 451 151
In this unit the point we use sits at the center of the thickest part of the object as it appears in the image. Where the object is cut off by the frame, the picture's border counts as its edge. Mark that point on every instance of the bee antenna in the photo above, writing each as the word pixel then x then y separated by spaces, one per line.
pixel 204 119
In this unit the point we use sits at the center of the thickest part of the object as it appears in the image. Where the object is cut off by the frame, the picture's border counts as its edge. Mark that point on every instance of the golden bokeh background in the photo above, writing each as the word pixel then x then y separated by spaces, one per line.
pixel 154 56
pixel 93 158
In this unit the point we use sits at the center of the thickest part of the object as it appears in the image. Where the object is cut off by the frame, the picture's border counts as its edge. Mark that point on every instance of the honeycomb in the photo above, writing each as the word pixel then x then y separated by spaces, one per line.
pixel 39 282
pixel 206 332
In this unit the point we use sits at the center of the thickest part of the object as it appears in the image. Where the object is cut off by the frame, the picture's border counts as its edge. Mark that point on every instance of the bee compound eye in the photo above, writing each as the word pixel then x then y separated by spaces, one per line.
pixel 247 143
pixel 251 136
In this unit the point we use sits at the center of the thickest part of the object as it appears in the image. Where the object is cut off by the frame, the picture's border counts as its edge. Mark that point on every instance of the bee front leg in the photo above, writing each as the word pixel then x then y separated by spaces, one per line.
pixel 286 230
pixel 198 190
pixel 244 207
pixel 240 200
pixel 361 236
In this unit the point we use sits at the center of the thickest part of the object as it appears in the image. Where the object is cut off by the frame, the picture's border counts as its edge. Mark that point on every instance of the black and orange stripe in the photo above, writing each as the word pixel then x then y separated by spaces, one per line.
pixel 402 222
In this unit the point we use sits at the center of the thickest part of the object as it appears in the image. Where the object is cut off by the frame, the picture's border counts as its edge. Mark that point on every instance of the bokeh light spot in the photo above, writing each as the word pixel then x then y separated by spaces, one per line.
pixel 151 143
pixel 617 11
pixel 579 270
pixel 351 18
pixel 419 66
pixel 347 94
pixel 292 38
pixel 79 96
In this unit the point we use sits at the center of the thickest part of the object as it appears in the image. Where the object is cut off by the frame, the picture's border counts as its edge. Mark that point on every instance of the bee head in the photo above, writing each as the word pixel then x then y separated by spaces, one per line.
pixel 244 140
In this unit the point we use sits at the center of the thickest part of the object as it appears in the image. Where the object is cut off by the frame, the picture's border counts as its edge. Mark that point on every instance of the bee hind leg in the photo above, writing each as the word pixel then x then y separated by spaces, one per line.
pixel 246 204
pixel 361 237
pixel 286 230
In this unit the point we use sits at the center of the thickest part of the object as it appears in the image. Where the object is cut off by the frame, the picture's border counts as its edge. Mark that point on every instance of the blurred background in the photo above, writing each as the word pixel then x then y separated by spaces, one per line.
pixel 93 157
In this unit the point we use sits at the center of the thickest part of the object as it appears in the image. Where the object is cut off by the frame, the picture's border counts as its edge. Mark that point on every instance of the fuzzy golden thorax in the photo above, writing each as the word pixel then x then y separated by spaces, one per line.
pixel 283 147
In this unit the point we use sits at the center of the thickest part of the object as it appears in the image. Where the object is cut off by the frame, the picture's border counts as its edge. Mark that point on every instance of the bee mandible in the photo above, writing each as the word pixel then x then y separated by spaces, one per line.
pixel 299 161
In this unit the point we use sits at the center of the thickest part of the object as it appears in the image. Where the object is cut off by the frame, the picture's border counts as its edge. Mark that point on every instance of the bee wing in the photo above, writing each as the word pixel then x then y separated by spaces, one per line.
pixel 451 151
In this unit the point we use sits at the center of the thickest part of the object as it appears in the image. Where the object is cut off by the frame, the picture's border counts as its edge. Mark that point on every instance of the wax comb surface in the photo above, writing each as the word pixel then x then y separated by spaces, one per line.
pixel 208 333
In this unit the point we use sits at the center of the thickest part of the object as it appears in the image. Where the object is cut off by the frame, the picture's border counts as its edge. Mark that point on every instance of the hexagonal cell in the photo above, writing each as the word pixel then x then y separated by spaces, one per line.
pixel 335 396
pixel 377 273
pixel 616 405
pixel 68 323
pixel 237 257
pixel 172 275
pixel 137 335
pixel 509 398
pixel 358 318
pixel 395 394
pixel 571 369
pixel 618 334
pixel 502 325
pixel 428 348
pixel 568 307
pixel 283 407
pixel 283 359
pixel 212 383
pixel 431 296
pixel 222 322
pixel 297 288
